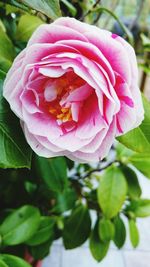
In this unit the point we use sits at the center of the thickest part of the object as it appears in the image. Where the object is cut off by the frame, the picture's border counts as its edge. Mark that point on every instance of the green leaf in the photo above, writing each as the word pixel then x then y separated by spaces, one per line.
pixel 41 251
pixel 15 3
pixel 134 234
pixel 26 26
pixel 145 40
pixel 141 207
pixel 5 64
pixel 98 248
pixel 53 172
pixel 65 200
pixel 70 6
pixel 7 50
pixel 77 227
pixel 120 232
pixel 50 8
pixel 44 233
pixel 13 261
pixel 15 152
pixel 141 162
pixel 112 191
pixel 134 189
pixel 3 264
pixel 139 139
pixel 19 226
pixel 106 230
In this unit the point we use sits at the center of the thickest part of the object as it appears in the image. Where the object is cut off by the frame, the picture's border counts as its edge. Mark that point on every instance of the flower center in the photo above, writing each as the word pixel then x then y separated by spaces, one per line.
pixel 63 86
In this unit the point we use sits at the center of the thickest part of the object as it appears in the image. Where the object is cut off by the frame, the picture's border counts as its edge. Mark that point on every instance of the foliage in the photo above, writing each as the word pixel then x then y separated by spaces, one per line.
pixel 42 199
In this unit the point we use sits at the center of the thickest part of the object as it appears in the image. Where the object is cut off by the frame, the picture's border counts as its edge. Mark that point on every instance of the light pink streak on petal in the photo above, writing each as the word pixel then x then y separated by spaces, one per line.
pixel 29 101
pixel 75 110
pixel 42 124
pixel 51 33
pixel 98 74
pixel 38 148
pixel 126 118
pixel 95 143
pixel 78 95
pixel 114 53
pixel 101 152
pixel 91 52
pixel 70 142
pixel 53 72
pixel 48 145
pixel 50 92
pixel 136 94
pixel 90 121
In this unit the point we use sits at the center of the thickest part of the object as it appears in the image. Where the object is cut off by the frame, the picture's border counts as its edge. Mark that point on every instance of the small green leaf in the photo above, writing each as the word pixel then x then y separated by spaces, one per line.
pixel 13 261
pixel 141 208
pixel 112 191
pixel 53 172
pixel 134 189
pixel 15 152
pixel 70 6
pixel 65 200
pixel 77 227
pixel 134 234
pixel 120 232
pixel 139 139
pixel 50 8
pixel 141 162
pixel 106 230
pixel 98 248
pixel 26 26
pixel 19 226
pixel 7 50
pixel 44 233
pixel 41 251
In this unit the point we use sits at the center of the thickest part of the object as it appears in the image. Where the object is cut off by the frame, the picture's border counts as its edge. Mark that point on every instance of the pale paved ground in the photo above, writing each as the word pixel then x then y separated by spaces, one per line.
pixel 126 257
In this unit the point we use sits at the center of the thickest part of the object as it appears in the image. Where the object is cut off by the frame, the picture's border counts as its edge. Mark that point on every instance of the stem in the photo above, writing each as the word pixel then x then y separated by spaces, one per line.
pixel 98 169
pixel 90 10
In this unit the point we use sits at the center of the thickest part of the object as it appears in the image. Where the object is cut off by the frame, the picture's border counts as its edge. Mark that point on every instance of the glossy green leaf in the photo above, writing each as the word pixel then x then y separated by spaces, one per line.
pixel 134 234
pixel 3 264
pixel 77 227
pixel 13 261
pixel 141 207
pixel 41 251
pixel 141 162
pixel 44 233
pixel 50 8
pixel 120 232
pixel 19 226
pixel 26 26
pixel 70 6
pixel 65 200
pixel 15 3
pixel 106 230
pixel 112 191
pixel 134 189
pixel 139 139
pixel 7 50
pixel 15 152
pixel 98 248
pixel 53 172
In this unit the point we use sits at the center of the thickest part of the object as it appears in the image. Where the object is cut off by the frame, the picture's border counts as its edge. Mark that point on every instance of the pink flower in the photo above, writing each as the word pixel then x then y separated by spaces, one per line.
pixel 74 88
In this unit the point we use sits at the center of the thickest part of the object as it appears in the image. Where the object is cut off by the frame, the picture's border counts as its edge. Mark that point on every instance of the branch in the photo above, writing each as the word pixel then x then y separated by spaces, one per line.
pixel 98 169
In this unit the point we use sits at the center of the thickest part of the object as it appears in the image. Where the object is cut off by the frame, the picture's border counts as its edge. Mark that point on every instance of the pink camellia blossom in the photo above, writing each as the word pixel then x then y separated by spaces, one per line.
pixel 74 88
